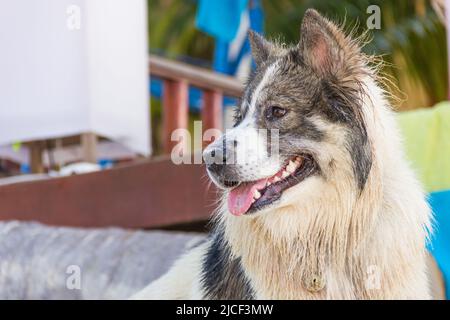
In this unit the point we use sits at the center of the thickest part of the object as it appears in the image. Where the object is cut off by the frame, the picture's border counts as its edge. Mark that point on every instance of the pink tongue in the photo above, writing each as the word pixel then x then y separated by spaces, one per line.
pixel 240 198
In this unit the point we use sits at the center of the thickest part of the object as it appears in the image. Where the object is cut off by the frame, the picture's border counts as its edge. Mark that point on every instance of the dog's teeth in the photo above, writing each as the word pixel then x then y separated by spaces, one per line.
pixel 276 179
pixel 285 174
pixel 291 167
pixel 256 194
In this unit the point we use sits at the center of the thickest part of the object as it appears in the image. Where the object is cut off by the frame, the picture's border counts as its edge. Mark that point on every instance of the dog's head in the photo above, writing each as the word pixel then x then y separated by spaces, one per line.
pixel 300 124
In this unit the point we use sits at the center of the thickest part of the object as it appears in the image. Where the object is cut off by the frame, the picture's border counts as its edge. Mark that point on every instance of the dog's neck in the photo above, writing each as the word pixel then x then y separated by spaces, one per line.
pixel 288 257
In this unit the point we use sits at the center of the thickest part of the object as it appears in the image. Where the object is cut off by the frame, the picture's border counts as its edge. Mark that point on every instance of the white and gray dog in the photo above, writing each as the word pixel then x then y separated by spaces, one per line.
pixel 337 213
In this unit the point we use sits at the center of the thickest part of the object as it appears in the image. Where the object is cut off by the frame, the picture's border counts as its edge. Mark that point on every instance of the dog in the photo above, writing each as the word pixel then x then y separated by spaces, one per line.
pixel 336 213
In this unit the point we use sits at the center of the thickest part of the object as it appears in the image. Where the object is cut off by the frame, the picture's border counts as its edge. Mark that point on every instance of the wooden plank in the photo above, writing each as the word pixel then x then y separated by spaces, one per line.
pixel 175 110
pixel 196 76
pixel 212 113
pixel 144 195
pixel 89 147
pixel 36 163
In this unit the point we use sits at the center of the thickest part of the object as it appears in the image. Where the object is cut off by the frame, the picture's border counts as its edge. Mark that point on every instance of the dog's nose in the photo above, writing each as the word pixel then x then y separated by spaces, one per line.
pixel 216 168
pixel 215 160
pixel 218 150
pixel 216 155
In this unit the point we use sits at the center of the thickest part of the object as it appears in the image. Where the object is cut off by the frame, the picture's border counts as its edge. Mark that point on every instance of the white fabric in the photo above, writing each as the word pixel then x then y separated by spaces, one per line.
pixel 68 154
pixel 58 80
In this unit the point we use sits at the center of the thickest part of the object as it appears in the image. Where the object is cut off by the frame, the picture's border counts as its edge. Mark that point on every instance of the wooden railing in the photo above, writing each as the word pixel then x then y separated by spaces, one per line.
pixel 145 194
pixel 177 77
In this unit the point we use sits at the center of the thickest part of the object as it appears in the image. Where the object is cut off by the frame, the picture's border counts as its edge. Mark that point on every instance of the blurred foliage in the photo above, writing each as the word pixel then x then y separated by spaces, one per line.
pixel 411 39
pixel 172 30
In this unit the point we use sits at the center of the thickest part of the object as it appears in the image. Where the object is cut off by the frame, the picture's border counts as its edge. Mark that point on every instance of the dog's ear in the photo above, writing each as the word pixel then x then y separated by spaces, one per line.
pixel 261 48
pixel 325 47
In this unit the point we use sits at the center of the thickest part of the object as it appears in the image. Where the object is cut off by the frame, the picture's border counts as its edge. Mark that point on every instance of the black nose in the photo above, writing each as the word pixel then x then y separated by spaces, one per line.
pixel 215 161
pixel 217 158
pixel 216 169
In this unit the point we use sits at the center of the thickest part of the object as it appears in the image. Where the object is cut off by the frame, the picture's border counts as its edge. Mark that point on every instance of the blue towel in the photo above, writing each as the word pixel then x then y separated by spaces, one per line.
pixel 222 19
pixel 440 241
pixel 219 18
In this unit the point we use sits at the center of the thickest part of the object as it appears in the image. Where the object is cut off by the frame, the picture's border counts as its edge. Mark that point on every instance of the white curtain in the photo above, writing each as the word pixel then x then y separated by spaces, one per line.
pixel 74 66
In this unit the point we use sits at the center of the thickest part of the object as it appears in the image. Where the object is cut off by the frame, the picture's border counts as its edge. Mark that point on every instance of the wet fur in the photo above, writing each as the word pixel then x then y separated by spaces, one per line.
pixel 364 211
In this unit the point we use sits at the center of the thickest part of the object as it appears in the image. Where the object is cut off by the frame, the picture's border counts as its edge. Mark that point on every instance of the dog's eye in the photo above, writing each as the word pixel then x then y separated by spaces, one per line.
pixel 275 112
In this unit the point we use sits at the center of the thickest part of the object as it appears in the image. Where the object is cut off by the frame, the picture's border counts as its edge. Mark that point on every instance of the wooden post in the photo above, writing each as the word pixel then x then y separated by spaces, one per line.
pixel 175 110
pixel 89 147
pixel 36 163
pixel 212 113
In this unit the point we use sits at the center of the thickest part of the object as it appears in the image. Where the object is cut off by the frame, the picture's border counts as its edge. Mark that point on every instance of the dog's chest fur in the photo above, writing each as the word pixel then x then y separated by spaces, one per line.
pixel 273 277
pixel 244 262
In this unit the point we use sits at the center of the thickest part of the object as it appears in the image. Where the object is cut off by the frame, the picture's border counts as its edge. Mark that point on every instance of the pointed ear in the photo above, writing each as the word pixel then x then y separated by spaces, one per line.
pixel 261 48
pixel 324 46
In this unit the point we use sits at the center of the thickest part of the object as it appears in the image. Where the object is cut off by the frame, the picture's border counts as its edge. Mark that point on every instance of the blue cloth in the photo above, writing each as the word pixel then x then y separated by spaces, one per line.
pixel 440 241
pixel 221 62
pixel 220 18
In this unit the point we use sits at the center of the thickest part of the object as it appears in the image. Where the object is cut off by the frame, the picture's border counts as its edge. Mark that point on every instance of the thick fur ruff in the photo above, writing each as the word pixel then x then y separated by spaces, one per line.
pixel 356 230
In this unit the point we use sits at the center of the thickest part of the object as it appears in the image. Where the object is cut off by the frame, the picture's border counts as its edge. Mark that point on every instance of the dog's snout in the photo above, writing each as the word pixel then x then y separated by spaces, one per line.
pixel 219 153
pixel 214 155
pixel 215 159
pixel 218 157
pixel 216 164
pixel 216 169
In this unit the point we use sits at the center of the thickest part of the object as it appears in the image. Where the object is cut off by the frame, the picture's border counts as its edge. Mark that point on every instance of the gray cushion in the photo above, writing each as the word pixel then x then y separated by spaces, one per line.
pixel 36 260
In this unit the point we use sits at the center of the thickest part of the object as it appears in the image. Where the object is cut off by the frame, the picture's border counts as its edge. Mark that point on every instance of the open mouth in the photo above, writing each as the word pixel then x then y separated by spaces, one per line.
pixel 249 197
